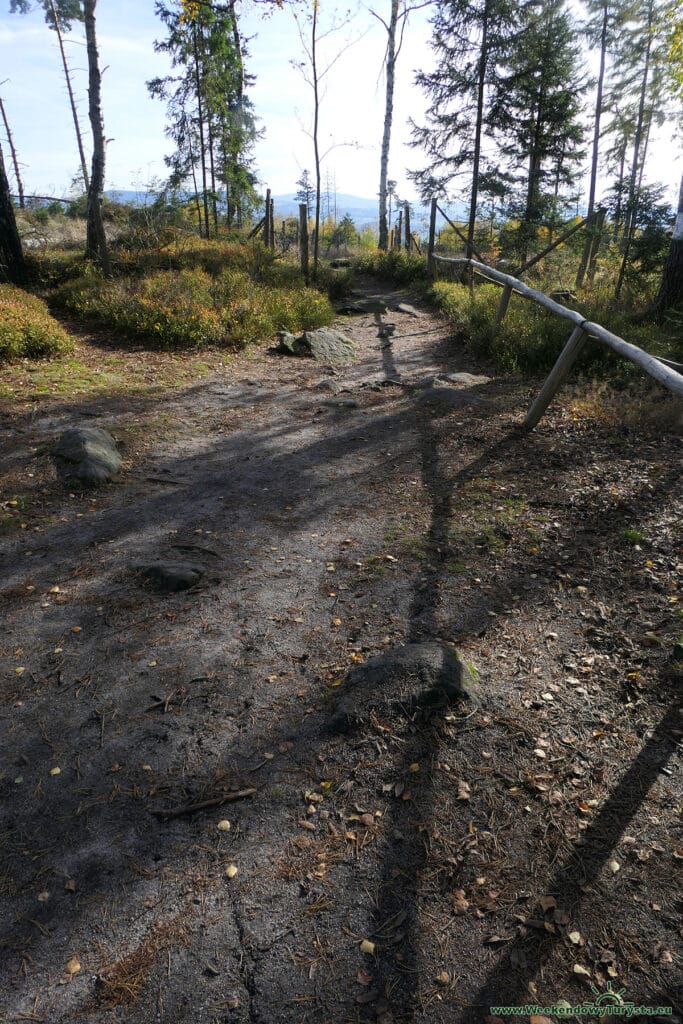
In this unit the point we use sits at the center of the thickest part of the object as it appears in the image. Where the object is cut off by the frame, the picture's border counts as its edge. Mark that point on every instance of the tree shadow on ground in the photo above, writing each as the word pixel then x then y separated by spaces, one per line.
pixel 100 829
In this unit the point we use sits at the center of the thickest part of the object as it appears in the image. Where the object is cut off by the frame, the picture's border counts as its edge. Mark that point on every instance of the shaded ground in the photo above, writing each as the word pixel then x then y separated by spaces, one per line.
pixel 485 851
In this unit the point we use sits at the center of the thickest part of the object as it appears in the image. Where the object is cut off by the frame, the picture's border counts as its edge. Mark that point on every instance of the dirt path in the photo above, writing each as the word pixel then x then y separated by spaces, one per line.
pixel 484 851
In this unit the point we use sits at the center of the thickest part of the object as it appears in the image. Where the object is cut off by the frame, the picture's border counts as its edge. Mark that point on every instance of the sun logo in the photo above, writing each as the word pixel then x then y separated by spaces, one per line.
pixel 609 997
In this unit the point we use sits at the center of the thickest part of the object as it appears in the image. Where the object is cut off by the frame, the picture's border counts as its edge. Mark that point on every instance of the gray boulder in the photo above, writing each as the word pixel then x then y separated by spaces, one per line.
pixel 172 576
pixel 402 677
pixel 324 344
pixel 88 455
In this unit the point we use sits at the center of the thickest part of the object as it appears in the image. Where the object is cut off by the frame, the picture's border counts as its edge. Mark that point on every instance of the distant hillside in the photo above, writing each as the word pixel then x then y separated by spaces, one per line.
pixel 362 211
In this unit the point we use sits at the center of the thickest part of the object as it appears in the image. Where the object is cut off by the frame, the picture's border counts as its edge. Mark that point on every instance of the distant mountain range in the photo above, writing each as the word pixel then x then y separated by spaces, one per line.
pixel 362 211
pixel 365 211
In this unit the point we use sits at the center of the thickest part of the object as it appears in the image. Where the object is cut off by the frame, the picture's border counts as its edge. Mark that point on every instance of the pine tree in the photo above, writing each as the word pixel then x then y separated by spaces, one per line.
pixel 538 111
pixel 306 191
pixel 210 118
pixel 469 39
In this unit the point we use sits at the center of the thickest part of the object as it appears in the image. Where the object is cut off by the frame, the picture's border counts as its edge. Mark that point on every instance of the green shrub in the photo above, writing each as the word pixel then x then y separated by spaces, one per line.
pixel 530 339
pixel 190 308
pixel 27 331
pixel 394 265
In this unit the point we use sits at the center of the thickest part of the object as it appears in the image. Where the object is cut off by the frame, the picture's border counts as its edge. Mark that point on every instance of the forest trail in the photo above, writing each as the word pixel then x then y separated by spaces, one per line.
pixel 336 513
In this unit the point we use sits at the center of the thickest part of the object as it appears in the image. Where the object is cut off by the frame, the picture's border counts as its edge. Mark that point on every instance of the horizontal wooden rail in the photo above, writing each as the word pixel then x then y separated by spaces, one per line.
pixel 659 369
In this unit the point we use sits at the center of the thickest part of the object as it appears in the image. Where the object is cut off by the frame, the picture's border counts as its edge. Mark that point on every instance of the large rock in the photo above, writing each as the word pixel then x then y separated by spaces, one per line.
pixel 324 344
pixel 402 677
pixel 88 455
pixel 170 577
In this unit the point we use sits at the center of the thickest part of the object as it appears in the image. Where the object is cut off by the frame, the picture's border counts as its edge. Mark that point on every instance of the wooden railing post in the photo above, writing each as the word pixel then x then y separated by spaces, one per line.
pixel 271 221
pixel 503 304
pixel 408 236
pixel 431 264
pixel 266 221
pixel 303 239
pixel 556 377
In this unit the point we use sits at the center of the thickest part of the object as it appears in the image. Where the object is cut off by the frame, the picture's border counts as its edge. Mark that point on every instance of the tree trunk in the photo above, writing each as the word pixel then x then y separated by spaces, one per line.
pixel 585 256
pixel 671 289
pixel 200 116
pixel 10 142
pixel 96 242
pixel 631 209
pixel 316 148
pixel 388 118
pixel 72 101
pixel 481 87
pixel 12 265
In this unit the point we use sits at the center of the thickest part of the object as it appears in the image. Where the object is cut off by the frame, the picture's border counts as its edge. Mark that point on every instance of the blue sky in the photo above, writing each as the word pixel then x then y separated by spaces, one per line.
pixel 35 98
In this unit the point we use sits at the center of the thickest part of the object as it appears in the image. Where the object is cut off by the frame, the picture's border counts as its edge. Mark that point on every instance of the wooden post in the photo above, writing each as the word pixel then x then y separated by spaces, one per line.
pixel 303 239
pixel 503 304
pixel 271 240
pixel 266 220
pixel 408 236
pixel 391 239
pixel 595 245
pixel 556 377
pixel 431 264
pixel 399 230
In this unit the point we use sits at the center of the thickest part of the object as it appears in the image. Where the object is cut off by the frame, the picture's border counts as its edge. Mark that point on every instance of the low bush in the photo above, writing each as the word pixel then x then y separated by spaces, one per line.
pixel 530 339
pixel 394 265
pixel 191 308
pixel 27 331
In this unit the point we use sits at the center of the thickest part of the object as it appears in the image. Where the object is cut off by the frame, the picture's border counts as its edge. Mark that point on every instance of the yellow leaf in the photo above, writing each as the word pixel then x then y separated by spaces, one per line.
pixel 414 767
pixel 73 966
pixel 20 670
pixel 231 871
pixel 223 826
pixel 368 947
pixel 76 629
pixel 55 771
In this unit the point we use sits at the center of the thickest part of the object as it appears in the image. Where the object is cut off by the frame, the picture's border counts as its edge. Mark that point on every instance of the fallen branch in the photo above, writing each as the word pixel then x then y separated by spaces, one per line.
pixel 216 801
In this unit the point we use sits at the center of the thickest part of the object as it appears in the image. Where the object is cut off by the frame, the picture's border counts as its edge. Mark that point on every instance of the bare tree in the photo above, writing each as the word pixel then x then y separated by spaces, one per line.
pixel 398 18
pixel 15 161
pixel 96 241
pixel 314 75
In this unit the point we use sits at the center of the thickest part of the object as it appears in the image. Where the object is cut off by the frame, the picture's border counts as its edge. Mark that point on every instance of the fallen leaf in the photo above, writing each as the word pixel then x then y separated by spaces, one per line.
pixel 73 966
pixel 76 629
pixel 55 771
pixel 575 937
pixel 582 972
pixel 20 670
pixel 614 866
pixel 70 885
pixel 367 947
pixel 363 977
pixel 44 896
pixel 414 767
pixel 442 978
pixel 464 792
pixel 223 825
pixel 459 902
pixel 547 903
pixel 540 753
pixel 231 871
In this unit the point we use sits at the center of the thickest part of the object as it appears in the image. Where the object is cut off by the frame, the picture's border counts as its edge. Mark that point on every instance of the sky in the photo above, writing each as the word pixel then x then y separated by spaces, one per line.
pixel 33 90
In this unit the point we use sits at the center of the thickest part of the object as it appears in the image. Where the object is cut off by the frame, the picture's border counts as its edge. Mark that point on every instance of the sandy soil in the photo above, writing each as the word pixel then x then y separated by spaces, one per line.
pixel 427 867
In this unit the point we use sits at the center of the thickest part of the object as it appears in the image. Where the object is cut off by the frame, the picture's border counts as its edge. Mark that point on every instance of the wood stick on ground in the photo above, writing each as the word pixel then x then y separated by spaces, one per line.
pixel 216 801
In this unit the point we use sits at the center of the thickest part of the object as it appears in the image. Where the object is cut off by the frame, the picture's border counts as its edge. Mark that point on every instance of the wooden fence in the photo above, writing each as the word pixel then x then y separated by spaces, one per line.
pixel 660 369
